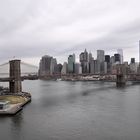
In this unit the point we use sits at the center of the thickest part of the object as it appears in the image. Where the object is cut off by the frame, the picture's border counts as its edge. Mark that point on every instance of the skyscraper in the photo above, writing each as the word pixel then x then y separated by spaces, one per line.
pixel 100 59
pixel 120 51
pixel 84 61
pixel 64 68
pixel 100 55
pixel 132 60
pixel 107 64
pixel 44 65
pixel 53 66
pixel 117 58
pixel 107 58
pixel 71 63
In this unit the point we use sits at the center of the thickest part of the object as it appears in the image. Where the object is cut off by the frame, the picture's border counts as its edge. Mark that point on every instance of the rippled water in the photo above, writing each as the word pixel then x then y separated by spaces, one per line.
pixel 75 111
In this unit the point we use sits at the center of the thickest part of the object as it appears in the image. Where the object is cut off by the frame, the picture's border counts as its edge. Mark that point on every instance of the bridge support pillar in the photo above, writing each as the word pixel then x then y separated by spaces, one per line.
pixel 15 76
pixel 120 81
pixel 120 77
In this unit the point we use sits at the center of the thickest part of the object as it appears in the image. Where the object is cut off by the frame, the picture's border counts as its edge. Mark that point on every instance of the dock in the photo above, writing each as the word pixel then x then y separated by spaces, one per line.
pixel 13 109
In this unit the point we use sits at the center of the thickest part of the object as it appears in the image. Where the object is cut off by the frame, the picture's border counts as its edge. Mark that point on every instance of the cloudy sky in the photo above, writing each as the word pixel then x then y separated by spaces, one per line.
pixel 30 29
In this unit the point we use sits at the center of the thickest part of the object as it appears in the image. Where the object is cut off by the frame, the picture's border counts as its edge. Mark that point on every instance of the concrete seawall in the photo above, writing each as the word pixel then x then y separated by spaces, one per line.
pixel 15 108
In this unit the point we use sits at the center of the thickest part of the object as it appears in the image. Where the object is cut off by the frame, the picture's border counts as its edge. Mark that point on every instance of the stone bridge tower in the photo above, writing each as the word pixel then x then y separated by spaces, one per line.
pixel 15 76
pixel 121 75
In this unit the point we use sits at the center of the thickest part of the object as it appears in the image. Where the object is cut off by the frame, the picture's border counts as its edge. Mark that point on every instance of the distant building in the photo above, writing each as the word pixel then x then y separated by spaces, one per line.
pixel 78 68
pixel 100 55
pixel 84 59
pixel 90 57
pixel 108 63
pixel 101 59
pixel 107 58
pixel 132 60
pixel 59 68
pixel 117 58
pixel 120 52
pixel 45 65
pixel 105 67
pixel 64 68
pixel 71 63
pixel 53 66
pixel 94 67
pixel 133 66
pixel 112 60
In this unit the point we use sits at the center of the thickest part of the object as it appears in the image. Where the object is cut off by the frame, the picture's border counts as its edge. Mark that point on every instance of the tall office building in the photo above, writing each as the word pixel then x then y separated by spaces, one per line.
pixel 64 68
pixel 107 58
pixel 117 58
pixel 94 67
pixel 100 59
pixel 53 66
pixel 90 57
pixel 107 64
pixel 132 60
pixel 78 68
pixel 133 66
pixel 59 68
pixel 71 63
pixel 100 55
pixel 44 65
pixel 112 60
pixel 84 61
pixel 120 51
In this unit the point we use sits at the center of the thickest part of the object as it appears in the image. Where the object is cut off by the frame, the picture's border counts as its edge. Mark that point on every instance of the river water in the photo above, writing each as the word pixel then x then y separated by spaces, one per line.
pixel 75 111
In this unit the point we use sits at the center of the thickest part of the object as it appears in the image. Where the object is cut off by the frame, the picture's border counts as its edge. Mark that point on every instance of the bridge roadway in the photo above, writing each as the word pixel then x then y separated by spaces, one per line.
pixel 31 77
pixel 130 77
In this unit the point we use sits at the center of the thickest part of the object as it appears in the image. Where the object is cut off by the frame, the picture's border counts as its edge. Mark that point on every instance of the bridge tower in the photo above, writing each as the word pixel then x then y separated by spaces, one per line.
pixel 121 75
pixel 15 76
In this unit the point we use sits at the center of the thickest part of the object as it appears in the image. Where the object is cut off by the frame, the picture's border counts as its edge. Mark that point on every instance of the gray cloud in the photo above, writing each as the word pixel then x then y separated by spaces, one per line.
pixel 32 28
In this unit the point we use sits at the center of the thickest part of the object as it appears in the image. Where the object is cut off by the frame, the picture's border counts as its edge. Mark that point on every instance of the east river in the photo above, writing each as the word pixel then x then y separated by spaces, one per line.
pixel 75 111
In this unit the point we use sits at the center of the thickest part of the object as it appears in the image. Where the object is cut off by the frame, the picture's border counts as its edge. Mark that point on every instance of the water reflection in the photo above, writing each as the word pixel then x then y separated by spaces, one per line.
pixel 16 126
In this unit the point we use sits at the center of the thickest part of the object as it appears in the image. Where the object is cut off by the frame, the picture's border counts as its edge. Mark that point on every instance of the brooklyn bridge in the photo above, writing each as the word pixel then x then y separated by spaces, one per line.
pixel 28 71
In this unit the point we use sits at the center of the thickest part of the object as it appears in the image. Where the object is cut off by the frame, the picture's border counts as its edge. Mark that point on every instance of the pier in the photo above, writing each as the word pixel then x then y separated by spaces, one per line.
pixel 17 99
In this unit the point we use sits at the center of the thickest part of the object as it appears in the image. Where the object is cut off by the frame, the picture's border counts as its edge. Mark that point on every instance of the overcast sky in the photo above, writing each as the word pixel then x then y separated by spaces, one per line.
pixel 30 29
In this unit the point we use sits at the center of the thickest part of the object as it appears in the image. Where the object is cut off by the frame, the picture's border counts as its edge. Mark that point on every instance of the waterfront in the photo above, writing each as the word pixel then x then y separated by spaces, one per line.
pixel 63 110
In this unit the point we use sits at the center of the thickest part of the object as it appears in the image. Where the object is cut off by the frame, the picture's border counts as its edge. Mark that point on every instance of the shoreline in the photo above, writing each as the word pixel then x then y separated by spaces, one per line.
pixel 13 109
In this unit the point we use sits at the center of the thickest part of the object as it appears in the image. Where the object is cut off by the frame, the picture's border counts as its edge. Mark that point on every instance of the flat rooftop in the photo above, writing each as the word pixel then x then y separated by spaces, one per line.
pixel 4 102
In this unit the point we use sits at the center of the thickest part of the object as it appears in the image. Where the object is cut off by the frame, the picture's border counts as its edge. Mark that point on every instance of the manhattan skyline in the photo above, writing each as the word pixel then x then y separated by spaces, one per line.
pixel 30 29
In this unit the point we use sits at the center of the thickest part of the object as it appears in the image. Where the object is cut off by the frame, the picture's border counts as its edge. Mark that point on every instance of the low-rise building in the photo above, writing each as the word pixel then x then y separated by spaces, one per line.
pixel 4 105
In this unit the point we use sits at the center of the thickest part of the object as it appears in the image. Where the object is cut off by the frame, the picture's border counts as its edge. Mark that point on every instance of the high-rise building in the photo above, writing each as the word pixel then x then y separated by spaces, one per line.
pixel 120 51
pixel 107 58
pixel 84 61
pixel 90 57
pixel 106 69
pixel 107 64
pixel 64 68
pixel 94 67
pixel 59 68
pixel 100 55
pixel 44 65
pixel 53 66
pixel 100 59
pixel 78 68
pixel 132 60
pixel 133 66
pixel 71 63
pixel 117 58
pixel 112 60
